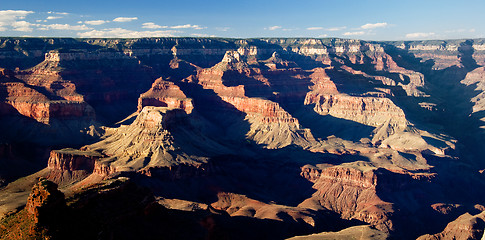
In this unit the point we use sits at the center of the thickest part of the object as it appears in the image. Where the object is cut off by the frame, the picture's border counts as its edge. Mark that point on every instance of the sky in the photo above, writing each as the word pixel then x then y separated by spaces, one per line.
pixel 384 20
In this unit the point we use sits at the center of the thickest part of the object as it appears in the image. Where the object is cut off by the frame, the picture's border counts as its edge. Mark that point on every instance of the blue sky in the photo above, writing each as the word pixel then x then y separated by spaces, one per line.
pixel 364 19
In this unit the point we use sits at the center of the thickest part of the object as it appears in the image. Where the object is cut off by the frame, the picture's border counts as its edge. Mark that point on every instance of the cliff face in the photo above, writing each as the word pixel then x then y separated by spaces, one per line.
pixel 41 218
pixel 42 101
pixel 355 130
pixel 148 147
pixel 83 75
pixel 165 94
pixel 69 165
pixel 373 195
pixel 353 194
pixel 45 202
pixel 466 226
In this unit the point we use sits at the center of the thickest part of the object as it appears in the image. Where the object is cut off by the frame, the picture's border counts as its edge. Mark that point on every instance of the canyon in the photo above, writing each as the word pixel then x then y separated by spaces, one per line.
pixel 287 137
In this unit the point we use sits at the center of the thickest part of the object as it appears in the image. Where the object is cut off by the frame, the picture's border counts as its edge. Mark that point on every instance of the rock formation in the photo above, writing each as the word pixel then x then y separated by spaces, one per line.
pixel 352 193
pixel 41 218
pixel 357 232
pixel 165 94
pixel 305 135
pixel 148 146
pixel 466 226
pixel 45 203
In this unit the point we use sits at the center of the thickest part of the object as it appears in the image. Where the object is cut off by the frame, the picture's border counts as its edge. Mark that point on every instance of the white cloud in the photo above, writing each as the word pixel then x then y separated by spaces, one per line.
pixel 197 27
pixel 333 29
pixel 274 28
pixel 420 35
pixel 8 18
pixel 23 26
pixel 374 25
pixel 94 22
pixel 151 25
pixel 64 27
pixel 60 13
pixel 125 33
pixel 223 29
pixel 314 28
pixel 323 36
pixel 354 33
pixel 12 15
pixel 53 17
pixel 125 19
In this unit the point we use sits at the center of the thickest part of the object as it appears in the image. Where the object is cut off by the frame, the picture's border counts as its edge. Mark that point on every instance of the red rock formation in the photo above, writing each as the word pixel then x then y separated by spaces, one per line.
pixel 366 110
pixel 44 112
pixel 178 172
pixel 146 146
pixel 270 112
pixel 264 81
pixel 310 173
pixel 72 160
pixel 103 170
pixel 271 125
pixel 240 205
pixel 466 226
pixel 165 94
pixel 42 216
pixel 353 194
pixel 322 83
pixel 355 191
pixel 442 53
pixel 58 101
pixel 70 165
pixel 357 232
pixel 45 201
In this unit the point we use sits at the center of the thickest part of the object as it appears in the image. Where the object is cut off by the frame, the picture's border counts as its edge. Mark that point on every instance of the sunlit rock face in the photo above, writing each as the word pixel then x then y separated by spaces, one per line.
pixel 288 136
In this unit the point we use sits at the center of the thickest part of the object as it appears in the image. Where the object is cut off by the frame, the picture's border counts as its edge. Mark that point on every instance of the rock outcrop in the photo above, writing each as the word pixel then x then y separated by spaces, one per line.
pixel 237 205
pixel 270 124
pixel 45 203
pixel 58 100
pixel 466 226
pixel 353 194
pixel 70 165
pixel 477 78
pixel 165 94
pixel 42 218
pixel 149 147
pixel 357 232
pixel 366 110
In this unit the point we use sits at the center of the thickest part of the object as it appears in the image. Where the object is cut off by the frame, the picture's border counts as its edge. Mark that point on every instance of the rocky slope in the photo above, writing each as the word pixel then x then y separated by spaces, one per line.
pixel 357 232
pixel 314 135
pixel 466 226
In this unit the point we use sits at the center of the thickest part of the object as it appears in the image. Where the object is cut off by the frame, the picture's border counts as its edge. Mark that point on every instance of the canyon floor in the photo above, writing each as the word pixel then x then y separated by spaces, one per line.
pixel 208 138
